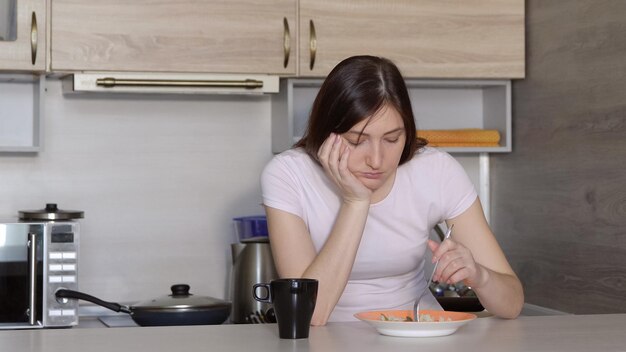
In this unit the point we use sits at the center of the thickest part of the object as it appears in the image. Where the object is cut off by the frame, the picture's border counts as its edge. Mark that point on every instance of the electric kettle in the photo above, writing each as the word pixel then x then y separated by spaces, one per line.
pixel 252 263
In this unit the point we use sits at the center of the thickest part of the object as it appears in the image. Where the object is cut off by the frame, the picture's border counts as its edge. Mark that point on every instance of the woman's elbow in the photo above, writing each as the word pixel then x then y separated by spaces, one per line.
pixel 319 322
pixel 320 317
pixel 513 313
pixel 515 307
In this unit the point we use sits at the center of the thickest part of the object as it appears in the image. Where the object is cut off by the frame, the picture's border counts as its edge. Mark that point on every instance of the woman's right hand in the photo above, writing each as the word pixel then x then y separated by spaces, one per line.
pixel 333 155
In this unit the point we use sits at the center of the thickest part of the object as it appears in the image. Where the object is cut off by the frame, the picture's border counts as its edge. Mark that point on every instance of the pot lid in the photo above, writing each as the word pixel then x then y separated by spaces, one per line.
pixel 181 299
pixel 50 212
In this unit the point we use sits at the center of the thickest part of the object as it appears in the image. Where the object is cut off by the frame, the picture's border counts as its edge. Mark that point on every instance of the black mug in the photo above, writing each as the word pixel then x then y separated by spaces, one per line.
pixel 294 302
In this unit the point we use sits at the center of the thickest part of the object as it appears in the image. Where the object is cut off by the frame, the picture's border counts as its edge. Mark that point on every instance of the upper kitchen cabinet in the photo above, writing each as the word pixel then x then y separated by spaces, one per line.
pixel 22 35
pixel 425 38
pixel 210 36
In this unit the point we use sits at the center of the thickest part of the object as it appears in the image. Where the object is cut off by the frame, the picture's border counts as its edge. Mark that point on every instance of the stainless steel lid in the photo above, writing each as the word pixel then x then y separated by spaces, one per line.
pixel 181 299
pixel 50 212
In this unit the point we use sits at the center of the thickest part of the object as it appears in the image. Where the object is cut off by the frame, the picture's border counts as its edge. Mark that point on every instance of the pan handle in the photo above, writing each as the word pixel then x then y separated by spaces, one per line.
pixel 116 307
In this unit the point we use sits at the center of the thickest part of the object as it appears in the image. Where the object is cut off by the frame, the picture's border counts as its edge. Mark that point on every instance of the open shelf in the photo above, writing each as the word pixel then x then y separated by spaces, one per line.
pixel 20 113
pixel 437 104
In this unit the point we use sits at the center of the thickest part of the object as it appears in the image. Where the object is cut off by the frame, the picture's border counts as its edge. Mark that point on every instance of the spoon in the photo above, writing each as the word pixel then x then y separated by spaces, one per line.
pixel 416 305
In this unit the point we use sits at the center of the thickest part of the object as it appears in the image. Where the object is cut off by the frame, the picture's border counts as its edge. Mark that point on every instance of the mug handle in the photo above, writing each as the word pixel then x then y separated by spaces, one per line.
pixel 266 298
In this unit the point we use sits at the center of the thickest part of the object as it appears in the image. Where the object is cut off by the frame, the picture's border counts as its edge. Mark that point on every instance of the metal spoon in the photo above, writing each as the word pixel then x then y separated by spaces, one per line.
pixel 416 305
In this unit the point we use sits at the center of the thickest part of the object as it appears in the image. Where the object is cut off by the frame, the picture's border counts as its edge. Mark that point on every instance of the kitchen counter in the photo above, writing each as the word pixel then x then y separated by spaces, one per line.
pixel 528 333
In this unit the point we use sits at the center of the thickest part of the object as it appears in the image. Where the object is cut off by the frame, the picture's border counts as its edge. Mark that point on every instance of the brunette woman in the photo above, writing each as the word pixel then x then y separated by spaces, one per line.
pixel 353 204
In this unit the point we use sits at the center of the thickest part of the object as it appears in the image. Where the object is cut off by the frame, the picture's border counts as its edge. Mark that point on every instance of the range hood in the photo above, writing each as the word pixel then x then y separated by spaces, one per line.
pixel 170 83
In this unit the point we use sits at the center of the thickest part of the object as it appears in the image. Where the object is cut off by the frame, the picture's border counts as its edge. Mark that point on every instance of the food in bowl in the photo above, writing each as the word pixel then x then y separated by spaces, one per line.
pixel 423 318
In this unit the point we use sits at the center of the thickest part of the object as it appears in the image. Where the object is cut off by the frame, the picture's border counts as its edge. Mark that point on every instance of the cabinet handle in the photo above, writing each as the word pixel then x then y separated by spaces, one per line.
pixel 286 42
pixel 110 82
pixel 33 38
pixel 312 44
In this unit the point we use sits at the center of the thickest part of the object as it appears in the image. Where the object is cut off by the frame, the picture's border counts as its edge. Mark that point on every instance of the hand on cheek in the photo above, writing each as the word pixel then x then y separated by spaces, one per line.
pixel 334 155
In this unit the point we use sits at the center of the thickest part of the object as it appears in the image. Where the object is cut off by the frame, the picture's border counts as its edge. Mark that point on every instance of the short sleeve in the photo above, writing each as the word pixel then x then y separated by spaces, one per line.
pixel 457 190
pixel 279 187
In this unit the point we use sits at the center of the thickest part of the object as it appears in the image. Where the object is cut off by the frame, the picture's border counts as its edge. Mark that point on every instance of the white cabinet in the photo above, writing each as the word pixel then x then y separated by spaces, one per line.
pixel 437 104
pixel 23 22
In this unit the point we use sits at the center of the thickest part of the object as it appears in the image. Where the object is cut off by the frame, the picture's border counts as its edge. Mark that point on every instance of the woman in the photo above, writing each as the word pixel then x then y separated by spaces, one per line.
pixel 352 205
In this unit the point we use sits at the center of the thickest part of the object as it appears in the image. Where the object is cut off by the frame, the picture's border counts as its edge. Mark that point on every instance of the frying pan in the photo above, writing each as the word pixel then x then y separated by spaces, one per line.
pixel 179 308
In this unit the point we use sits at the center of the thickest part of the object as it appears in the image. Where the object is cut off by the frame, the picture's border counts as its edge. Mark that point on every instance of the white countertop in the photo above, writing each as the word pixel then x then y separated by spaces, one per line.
pixel 570 333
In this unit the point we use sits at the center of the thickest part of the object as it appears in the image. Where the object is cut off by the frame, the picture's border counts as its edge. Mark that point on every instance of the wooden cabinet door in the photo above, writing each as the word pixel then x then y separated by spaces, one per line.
pixel 28 51
pixel 425 38
pixel 232 36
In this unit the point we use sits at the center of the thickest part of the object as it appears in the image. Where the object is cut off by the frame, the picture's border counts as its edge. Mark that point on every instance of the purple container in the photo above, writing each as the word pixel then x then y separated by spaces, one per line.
pixel 251 228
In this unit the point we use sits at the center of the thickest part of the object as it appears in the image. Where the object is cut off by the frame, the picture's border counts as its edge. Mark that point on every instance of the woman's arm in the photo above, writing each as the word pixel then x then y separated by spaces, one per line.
pixel 295 255
pixel 473 255
pixel 292 247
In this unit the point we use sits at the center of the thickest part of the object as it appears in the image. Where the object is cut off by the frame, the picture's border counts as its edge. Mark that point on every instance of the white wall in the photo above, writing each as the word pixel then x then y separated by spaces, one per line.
pixel 159 179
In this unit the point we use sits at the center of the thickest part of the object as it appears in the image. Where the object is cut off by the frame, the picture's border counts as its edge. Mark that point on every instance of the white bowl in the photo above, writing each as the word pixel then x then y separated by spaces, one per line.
pixel 444 322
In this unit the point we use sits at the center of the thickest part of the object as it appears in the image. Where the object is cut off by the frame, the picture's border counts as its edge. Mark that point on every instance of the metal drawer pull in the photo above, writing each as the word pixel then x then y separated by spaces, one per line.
pixel 286 42
pixel 33 38
pixel 312 44
pixel 110 82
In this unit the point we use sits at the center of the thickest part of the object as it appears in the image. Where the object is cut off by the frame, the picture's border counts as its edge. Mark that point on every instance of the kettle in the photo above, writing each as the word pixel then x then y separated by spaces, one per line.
pixel 252 263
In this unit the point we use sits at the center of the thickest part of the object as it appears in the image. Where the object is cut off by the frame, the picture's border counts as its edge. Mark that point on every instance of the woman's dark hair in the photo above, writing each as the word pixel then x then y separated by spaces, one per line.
pixel 356 89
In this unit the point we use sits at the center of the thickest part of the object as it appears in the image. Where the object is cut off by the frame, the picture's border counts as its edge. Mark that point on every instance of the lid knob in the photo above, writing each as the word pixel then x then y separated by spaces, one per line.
pixel 180 290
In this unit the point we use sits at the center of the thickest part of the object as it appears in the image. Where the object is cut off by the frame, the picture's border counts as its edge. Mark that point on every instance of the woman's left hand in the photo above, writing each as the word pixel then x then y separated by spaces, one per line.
pixel 456 264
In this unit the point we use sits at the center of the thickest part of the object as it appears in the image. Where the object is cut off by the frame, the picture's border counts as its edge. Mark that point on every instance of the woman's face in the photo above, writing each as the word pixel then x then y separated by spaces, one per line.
pixel 377 144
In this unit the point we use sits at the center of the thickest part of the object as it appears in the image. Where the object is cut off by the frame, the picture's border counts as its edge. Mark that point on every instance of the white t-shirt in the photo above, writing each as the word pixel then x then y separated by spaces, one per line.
pixel 388 271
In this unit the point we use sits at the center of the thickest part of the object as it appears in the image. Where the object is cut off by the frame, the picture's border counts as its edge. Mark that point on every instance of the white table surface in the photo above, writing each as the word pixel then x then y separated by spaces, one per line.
pixel 528 333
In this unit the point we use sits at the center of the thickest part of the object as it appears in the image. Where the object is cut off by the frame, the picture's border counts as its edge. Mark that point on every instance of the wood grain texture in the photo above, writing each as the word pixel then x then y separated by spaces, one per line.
pixel 559 199
pixel 16 55
pixel 244 36
pixel 426 38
